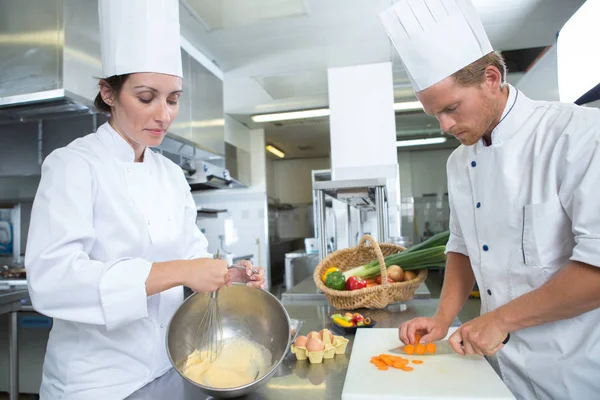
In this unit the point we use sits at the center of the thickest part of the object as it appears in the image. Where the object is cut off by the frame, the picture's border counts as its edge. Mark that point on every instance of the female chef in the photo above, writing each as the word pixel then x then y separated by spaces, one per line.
pixel 113 233
pixel 524 208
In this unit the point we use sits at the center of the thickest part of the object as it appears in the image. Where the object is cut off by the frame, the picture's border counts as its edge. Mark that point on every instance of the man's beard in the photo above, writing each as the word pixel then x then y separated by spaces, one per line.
pixel 483 125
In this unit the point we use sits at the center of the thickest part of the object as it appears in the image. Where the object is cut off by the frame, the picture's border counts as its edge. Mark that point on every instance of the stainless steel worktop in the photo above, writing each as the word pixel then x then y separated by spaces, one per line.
pixel 10 302
pixel 307 291
pixel 10 299
pixel 300 379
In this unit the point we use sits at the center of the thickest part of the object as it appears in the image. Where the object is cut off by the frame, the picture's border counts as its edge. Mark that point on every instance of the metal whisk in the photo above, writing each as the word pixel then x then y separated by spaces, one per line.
pixel 210 331
pixel 209 336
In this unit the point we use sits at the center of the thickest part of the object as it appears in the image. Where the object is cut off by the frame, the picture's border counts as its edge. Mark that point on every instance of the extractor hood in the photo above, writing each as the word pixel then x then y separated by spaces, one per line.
pixel 49 58
pixel 203 169
pixel 578 63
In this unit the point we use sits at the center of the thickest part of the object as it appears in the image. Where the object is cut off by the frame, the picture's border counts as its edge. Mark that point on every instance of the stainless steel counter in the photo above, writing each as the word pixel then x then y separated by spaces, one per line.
pixel 299 379
pixel 307 291
pixel 10 302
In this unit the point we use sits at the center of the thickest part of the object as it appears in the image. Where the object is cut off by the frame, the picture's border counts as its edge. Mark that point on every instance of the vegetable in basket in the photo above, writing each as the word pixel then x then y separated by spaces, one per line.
pixel 329 270
pixel 335 280
pixel 428 254
pixel 355 283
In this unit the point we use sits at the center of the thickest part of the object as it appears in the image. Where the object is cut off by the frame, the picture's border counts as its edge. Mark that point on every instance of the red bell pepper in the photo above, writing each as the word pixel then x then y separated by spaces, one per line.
pixel 354 283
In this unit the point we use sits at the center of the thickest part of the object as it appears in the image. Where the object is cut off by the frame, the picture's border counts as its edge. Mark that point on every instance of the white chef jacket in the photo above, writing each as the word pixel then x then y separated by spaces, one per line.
pixel 521 209
pixel 99 221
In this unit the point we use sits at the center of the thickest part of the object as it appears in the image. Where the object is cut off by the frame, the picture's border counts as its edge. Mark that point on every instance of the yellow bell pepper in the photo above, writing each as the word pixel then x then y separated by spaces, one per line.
pixel 329 270
pixel 342 322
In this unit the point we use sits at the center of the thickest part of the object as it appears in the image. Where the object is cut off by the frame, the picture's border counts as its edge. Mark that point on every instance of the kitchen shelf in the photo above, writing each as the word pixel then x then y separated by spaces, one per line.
pixel 358 193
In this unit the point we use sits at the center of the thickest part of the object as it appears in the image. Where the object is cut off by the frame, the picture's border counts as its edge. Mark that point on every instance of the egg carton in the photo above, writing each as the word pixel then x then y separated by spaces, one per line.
pixel 333 345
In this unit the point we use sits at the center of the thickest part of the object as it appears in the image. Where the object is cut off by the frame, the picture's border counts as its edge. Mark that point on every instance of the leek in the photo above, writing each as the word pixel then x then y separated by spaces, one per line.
pixel 417 259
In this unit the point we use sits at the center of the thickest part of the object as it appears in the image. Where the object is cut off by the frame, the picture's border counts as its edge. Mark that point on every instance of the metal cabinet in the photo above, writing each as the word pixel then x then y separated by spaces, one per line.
pixel 201 111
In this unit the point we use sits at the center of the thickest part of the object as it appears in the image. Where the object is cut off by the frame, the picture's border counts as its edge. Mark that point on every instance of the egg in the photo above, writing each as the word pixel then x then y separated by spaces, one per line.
pixel 301 341
pixel 325 332
pixel 315 344
pixel 314 334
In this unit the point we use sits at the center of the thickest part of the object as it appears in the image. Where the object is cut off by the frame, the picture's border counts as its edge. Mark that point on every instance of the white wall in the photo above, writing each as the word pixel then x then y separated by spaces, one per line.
pixel 236 133
pixel 290 180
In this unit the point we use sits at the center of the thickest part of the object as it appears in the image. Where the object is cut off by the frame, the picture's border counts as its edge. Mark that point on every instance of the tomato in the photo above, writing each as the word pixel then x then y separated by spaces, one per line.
pixel 378 280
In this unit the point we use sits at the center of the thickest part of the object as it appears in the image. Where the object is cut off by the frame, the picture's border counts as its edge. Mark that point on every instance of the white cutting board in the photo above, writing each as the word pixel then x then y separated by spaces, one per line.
pixel 448 376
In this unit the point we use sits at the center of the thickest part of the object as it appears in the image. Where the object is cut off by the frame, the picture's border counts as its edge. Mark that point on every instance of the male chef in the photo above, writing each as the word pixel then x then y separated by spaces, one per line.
pixel 524 208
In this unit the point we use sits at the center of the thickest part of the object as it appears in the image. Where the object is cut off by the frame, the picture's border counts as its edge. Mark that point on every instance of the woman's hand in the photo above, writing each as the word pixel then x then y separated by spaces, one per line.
pixel 246 276
pixel 205 274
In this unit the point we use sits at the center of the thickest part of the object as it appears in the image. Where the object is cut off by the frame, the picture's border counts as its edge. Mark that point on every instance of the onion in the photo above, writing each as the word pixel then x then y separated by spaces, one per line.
pixel 395 273
pixel 410 275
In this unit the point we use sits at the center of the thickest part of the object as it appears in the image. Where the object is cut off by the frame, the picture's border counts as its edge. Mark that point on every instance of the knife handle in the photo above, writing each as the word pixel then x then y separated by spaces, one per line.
pixel 503 342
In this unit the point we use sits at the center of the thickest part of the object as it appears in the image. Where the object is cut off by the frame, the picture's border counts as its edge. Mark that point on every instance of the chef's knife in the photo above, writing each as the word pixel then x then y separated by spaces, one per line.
pixel 441 347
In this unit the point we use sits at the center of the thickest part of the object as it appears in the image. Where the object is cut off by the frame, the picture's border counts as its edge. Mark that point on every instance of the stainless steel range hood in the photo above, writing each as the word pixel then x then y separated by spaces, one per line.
pixel 49 58
pixel 203 169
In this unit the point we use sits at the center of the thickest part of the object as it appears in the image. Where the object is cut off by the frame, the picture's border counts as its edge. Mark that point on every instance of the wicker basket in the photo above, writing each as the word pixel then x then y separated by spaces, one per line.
pixel 373 297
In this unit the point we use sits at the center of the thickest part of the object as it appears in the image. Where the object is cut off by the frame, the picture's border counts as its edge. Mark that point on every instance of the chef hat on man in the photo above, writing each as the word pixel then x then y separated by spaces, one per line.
pixel 435 38
pixel 140 36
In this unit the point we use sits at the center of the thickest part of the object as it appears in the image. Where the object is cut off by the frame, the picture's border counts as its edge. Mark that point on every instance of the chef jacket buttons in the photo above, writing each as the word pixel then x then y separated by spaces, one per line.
pixel 473 164
pixel 485 247
pixel 170 219
pixel 478 205
pixel 148 222
pixel 162 325
pixel 489 292
pixel 128 169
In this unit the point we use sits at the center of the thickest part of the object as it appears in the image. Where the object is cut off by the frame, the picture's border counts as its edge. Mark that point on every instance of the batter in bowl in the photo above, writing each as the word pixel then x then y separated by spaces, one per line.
pixel 241 362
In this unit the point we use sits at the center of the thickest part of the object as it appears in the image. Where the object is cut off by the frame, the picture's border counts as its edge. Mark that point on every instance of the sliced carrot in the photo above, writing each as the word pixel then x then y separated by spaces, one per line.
pixel 407 369
pixel 417 361
pixel 417 338
pixel 420 349
pixel 409 349
pixel 430 347
pixel 400 364
pixel 387 361
pixel 383 368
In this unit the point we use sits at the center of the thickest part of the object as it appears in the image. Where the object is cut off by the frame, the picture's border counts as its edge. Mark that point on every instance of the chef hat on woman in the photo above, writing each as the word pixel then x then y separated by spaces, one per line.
pixel 140 36
pixel 435 38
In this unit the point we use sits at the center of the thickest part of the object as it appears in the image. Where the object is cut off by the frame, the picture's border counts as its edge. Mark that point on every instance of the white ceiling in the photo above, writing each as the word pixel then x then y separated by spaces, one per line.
pixel 274 62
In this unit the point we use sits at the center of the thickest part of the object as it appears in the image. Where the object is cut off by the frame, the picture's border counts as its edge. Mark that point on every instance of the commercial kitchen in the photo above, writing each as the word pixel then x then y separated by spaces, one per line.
pixel 302 140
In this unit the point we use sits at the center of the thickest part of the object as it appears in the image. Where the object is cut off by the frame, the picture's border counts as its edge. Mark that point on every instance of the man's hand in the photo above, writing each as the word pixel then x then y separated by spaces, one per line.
pixel 430 329
pixel 482 335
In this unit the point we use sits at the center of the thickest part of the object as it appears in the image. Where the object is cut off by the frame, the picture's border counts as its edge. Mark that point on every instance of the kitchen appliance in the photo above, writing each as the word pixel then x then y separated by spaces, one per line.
pixel 50 58
pixel 203 170
pixel 578 67
pixel 245 312
pixel 361 194
pixel 444 377
pixel 6 241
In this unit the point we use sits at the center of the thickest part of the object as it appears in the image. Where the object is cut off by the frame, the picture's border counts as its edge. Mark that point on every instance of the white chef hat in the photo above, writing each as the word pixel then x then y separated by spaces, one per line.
pixel 140 36
pixel 435 38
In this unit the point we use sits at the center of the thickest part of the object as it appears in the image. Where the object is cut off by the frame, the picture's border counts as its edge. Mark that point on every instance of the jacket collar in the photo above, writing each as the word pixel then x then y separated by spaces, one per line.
pixel 118 146
pixel 516 111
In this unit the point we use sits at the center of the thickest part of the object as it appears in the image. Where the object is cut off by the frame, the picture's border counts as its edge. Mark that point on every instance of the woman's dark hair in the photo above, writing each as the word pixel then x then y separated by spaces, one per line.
pixel 115 83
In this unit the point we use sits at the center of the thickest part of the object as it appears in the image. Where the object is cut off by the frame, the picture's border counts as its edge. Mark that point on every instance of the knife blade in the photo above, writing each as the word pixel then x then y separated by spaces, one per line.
pixel 441 347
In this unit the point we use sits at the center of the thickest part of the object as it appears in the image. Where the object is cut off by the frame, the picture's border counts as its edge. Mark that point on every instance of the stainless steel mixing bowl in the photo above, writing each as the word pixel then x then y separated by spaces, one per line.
pixel 245 312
